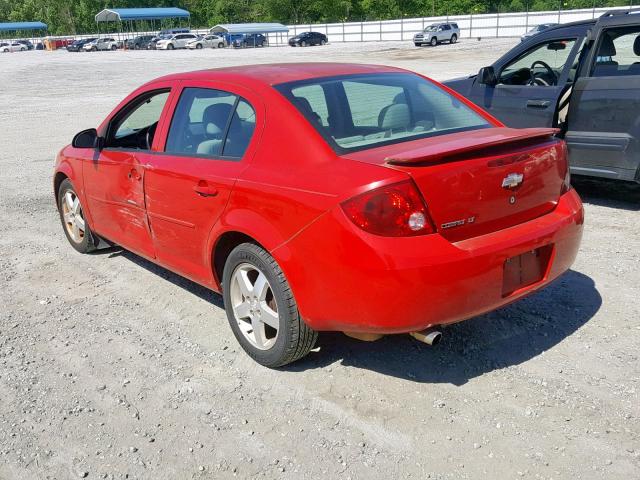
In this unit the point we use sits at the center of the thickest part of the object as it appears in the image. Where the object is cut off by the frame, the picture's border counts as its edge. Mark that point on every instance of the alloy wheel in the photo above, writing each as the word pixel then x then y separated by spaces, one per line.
pixel 73 216
pixel 254 306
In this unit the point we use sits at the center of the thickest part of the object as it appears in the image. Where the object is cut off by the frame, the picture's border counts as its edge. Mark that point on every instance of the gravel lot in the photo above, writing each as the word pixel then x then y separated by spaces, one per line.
pixel 111 367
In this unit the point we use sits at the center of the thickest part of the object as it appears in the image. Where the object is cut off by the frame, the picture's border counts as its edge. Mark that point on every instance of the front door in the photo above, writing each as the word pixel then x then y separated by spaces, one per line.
pixel 114 181
pixel 209 142
pixel 530 85
pixel 604 111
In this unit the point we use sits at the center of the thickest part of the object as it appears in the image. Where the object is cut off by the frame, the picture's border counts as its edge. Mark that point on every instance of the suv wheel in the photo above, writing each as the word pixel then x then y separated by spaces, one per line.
pixel 261 309
pixel 114 47
pixel 303 43
pixel 221 45
pixel 323 42
pixel 454 38
pixel 434 42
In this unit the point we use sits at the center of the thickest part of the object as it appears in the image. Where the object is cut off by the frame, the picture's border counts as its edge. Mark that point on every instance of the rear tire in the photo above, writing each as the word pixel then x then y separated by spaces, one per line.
pixel 323 42
pixel 454 38
pixel 246 307
pixel 74 224
pixel 221 45
pixel 114 47
pixel 434 42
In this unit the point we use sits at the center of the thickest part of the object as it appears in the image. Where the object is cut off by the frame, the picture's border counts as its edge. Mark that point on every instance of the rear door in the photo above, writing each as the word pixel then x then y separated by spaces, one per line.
pixel 530 84
pixel 208 143
pixel 604 112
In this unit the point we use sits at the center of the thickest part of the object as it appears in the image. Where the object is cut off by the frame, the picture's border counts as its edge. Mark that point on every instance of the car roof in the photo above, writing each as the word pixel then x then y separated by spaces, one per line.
pixel 276 73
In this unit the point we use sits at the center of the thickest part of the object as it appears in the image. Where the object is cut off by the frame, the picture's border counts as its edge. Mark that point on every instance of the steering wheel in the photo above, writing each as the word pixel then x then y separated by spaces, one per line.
pixel 539 80
pixel 151 131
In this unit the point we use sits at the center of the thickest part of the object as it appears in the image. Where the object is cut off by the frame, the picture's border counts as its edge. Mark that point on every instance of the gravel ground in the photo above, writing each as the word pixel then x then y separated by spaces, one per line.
pixel 111 367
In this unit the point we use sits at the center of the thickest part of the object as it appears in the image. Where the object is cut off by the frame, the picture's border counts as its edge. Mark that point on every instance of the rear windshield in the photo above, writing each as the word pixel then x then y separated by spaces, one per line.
pixel 356 112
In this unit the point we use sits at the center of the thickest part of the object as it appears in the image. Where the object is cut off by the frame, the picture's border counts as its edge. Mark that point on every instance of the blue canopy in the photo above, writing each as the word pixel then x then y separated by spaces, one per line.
pixel 15 26
pixel 122 14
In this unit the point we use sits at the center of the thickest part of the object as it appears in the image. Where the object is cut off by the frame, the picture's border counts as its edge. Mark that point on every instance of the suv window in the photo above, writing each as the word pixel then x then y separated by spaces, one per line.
pixel 132 124
pixel 446 27
pixel 203 123
pixel 618 52
pixel 541 65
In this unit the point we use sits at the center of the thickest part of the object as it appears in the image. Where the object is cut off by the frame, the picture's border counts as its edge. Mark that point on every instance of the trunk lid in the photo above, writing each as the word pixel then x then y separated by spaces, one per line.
pixel 481 181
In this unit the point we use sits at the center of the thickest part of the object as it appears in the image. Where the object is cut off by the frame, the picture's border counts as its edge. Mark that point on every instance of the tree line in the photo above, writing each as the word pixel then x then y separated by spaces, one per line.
pixel 75 17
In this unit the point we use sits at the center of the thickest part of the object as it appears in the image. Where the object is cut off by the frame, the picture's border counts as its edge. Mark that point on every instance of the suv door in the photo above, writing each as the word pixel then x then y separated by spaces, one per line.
pixel 114 179
pixel 530 84
pixel 604 121
pixel 207 145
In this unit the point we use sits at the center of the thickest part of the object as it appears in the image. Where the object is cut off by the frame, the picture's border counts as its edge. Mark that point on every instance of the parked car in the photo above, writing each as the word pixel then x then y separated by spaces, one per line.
pixel 26 43
pixel 250 40
pixel 437 33
pixel 208 41
pixel 106 43
pixel 178 40
pixel 139 42
pixel 581 77
pixel 12 47
pixel 536 30
pixel 410 208
pixel 77 45
pixel 308 38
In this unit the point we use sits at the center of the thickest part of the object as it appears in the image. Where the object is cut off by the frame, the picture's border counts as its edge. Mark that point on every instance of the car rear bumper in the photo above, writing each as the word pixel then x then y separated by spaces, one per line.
pixel 347 280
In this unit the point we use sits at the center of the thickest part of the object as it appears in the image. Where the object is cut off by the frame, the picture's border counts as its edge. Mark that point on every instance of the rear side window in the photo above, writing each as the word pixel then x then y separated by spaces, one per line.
pixel 618 52
pixel 355 112
pixel 210 123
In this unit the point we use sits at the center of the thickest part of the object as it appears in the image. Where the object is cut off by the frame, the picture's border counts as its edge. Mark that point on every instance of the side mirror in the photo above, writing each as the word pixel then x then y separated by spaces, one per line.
pixel 87 139
pixel 487 76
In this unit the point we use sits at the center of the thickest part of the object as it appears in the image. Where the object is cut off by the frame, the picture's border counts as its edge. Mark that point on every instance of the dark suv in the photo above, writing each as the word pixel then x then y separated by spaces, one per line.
pixel 139 43
pixel 77 45
pixel 250 40
pixel 581 77
pixel 308 38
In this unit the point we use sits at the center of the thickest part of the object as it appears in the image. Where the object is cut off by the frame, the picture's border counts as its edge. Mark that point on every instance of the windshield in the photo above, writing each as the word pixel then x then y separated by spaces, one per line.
pixel 355 112
pixel 432 28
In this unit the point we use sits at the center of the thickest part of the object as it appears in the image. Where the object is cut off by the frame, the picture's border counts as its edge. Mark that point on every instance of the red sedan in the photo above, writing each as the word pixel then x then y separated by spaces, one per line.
pixel 357 198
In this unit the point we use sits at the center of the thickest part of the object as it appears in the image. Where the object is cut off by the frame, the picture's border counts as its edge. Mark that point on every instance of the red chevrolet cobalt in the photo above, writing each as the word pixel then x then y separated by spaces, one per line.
pixel 356 198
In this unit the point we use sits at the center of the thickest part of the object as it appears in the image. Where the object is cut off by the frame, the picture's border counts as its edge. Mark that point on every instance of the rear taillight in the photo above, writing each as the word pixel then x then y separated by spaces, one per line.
pixel 566 183
pixel 395 210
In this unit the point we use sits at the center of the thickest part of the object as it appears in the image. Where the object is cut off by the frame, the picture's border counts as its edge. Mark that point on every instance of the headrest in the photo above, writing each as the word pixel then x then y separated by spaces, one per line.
pixel 305 106
pixel 607 48
pixel 636 46
pixel 395 117
pixel 215 118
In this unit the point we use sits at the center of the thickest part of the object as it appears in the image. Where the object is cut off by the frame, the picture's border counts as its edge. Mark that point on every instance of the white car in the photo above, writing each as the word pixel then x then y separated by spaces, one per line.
pixel 179 40
pixel 12 47
pixel 106 43
pixel 208 41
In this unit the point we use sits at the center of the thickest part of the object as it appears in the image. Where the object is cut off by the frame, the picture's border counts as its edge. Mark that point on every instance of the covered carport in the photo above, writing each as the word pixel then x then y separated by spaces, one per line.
pixel 134 21
pixel 17 30
pixel 270 30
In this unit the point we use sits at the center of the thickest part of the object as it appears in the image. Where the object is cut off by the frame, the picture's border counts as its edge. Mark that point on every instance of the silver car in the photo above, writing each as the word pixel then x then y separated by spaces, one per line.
pixel 179 40
pixel 437 33
pixel 208 41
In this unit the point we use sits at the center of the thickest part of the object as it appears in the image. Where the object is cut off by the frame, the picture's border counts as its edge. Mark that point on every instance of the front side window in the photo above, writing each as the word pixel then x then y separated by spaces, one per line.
pixel 211 123
pixel 365 111
pixel 618 52
pixel 541 65
pixel 135 126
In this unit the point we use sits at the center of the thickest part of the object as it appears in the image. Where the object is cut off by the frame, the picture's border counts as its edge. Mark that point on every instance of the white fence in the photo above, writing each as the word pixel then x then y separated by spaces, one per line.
pixel 471 26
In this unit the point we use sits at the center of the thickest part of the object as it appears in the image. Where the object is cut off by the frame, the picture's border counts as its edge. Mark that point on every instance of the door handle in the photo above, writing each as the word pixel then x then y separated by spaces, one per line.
pixel 205 190
pixel 538 103
pixel 133 174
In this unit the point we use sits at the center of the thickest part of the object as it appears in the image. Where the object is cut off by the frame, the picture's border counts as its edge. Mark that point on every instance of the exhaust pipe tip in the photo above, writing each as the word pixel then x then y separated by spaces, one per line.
pixel 429 336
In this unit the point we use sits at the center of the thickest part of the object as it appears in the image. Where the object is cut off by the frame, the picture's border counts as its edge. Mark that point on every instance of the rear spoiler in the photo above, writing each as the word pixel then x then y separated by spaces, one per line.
pixel 458 144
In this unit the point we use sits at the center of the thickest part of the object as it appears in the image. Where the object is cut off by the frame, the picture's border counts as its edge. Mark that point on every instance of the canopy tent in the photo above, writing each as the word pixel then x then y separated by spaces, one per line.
pixel 135 14
pixel 238 28
pixel 132 21
pixel 22 26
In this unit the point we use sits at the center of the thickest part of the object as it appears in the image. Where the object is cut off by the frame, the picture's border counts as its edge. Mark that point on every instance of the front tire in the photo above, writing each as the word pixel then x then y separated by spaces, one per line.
pixel 303 44
pixel 75 227
pixel 221 45
pixel 170 46
pixel 261 309
pixel 434 42
pixel 198 46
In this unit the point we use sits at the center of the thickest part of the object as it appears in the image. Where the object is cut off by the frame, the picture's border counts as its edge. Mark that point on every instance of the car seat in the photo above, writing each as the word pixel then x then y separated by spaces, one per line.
pixel 214 120
pixel 603 67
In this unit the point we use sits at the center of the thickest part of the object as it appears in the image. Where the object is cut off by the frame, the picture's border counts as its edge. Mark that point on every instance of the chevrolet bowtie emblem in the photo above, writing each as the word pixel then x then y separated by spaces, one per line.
pixel 512 180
